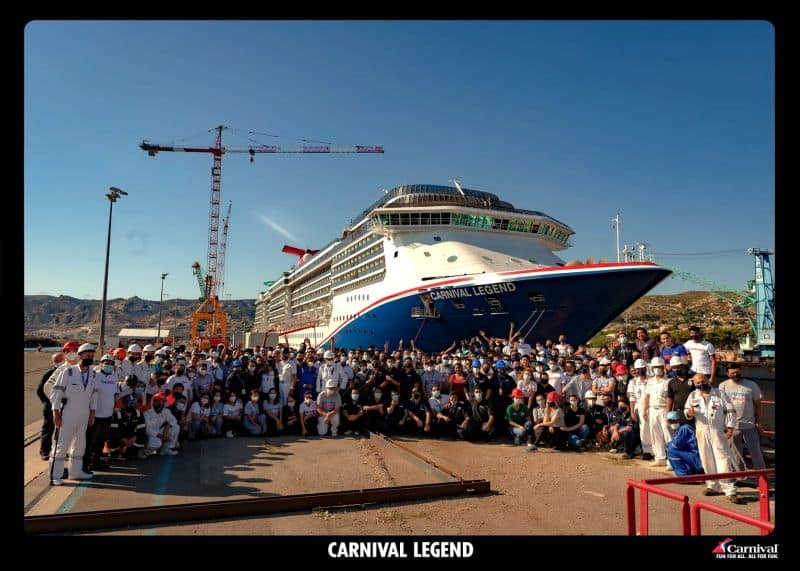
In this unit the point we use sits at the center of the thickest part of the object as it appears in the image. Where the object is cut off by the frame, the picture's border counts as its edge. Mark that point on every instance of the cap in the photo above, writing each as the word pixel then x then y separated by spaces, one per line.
pixel 673 415
pixel 676 361
pixel 552 396
pixel 85 347
pixel 589 395
pixel 476 363
pixel 161 397
pixel 620 368
pixel 70 346
pixel 120 353
pixel 499 364
pixel 516 393
pixel 640 364
pixel 330 384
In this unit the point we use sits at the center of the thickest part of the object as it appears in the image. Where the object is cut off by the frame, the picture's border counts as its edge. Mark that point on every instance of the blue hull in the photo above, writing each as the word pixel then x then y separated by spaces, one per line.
pixel 576 304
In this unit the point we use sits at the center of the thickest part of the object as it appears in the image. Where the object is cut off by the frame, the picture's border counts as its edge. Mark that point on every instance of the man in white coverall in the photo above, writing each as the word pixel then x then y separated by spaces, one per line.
pixel 74 400
pixel 715 420
pixel 655 411
pixel 162 427
pixel 636 395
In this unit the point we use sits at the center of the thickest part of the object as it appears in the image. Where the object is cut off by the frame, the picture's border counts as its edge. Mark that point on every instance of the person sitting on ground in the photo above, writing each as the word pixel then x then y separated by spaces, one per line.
pixel 520 422
pixel 232 416
pixel 575 428
pixel 291 417
pixel 682 451
pixel 215 419
pixel 550 427
pixel 254 421
pixel 395 413
pixel 161 426
pixel 418 415
pixel 353 415
pixel 200 419
pixel 329 403
pixel 481 425
pixel 307 413
pixel 374 411
pixel 128 431
pixel 619 424
pixel 273 412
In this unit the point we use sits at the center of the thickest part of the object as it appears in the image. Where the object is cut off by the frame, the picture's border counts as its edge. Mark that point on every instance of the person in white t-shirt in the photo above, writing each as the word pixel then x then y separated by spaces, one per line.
pixel 523 347
pixel 702 354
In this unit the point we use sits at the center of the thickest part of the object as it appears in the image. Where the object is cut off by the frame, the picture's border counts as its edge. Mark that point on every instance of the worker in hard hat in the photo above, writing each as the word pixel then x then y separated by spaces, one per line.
pixel 162 427
pixel 74 401
pixel 655 411
pixel 636 395
pixel 97 434
pixel 331 370
pixel 132 364
pixel 682 451
pixel 45 391
pixel 329 403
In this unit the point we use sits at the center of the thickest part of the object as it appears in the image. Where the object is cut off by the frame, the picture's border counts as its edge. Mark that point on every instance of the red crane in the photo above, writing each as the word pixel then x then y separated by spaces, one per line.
pixel 212 279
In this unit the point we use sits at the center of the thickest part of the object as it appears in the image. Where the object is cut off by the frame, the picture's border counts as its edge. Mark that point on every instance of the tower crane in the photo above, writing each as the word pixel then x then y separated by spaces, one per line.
pixel 210 309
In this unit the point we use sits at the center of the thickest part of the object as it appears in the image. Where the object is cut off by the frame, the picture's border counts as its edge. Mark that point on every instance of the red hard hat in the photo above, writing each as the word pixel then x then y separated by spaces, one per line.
pixel 120 353
pixel 552 396
pixel 70 346
pixel 160 397
pixel 620 368
pixel 517 394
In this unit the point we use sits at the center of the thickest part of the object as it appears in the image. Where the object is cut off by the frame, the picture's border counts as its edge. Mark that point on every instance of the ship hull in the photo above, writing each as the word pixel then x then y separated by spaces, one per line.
pixel 544 303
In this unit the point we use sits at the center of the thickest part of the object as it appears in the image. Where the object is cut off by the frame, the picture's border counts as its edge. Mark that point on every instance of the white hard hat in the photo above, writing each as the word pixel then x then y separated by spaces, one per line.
pixel 639 364
pixel 657 362
pixel 149 348
pixel 330 383
pixel 329 354
pixel 107 357
pixel 675 361
pixel 134 349
pixel 85 347
pixel 604 361
pixel 589 395
pixel 161 351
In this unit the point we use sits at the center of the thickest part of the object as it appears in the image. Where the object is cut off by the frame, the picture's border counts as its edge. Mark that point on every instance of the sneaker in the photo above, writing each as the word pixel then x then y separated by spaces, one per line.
pixel 516 441
pixel 531 447
pixel 45 457
pixel 81 476
pixel 348 432
pixel 656 463
pixel 168 452
pixel 647 456
pixel 735 499
pixel 229 434
pixel 57 482
pixel 710 492
pixel 334 432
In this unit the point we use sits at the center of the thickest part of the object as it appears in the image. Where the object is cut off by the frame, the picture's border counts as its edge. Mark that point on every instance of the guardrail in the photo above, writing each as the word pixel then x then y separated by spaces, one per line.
pixel 690 516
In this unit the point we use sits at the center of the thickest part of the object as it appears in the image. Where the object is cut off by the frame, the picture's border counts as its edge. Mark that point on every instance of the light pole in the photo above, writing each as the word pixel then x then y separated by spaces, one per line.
pixel 112 196
pixel 161 304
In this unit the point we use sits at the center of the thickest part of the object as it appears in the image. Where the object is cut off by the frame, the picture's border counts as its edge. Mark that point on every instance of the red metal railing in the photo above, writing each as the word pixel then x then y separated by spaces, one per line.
pixel 688 517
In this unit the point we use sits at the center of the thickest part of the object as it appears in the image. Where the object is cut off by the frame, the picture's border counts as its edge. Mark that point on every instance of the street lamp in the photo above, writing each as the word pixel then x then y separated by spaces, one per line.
pixel 112 196
pixel 161 304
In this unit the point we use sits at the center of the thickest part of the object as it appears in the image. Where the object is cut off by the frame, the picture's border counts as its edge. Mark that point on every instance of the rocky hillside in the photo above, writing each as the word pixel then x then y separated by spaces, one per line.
pixel 63 316
pixel 683 309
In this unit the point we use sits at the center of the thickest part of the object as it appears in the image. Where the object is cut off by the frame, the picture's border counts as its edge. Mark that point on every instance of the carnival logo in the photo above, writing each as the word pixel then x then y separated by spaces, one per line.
pixel 726 549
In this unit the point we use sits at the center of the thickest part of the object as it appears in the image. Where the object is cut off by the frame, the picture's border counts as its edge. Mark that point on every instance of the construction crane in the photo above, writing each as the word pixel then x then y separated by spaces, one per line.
pixel 211 305
pixel 223 246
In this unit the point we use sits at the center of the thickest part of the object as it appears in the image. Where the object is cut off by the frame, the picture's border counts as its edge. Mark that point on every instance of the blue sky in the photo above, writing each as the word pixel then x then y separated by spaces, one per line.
pixel 670 122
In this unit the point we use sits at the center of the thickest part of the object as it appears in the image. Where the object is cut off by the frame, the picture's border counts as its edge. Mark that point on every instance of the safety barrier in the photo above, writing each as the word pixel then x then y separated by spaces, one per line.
pixel 690 517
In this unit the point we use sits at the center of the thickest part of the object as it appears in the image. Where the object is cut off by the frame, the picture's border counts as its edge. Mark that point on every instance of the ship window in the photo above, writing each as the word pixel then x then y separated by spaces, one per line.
pixel 445 218
pixel 424 218
pixel 452 259
pixel 414 218
pixel 504 224
pixel 535 228
pixel 427 254
pixel 435 218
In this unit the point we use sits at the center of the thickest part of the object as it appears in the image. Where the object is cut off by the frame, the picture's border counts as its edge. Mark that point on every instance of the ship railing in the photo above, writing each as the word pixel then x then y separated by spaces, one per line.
pixel 424 313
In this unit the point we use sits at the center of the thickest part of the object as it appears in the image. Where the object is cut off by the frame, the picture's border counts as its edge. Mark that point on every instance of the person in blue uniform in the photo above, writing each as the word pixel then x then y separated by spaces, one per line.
pixel 682 451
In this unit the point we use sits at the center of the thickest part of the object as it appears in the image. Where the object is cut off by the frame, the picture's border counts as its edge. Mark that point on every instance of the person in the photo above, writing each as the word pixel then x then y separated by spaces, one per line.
pixel 702 354
pixel 670 350
pixel 418 414
pixel 200 419
pixel 74 402
pixel 746 398
pixel 132 364
pixel 575 428
pixel 307 412
pixel 520 421
pixel 203 381
pixel 458 382
pixel 453 418
pixel 626 429
pixel 254 421
pixel 374 411
pixel 648 348
pixel 161 426
pixel 679 386
pixel 290 415
pixel 579 385
pixel 623 351
pixel 274 412
pixel 395 413
pixel 550 427
pixel 97 434
pixel 329 402
pixel 46 432
pixel 330 371
pixel 481 423
pixel 655 411
pixel 128 435
pixel 232 416
pixel 215 418
pixel 682 452
pixel 430 377
pixel 636 395
pixel 715 421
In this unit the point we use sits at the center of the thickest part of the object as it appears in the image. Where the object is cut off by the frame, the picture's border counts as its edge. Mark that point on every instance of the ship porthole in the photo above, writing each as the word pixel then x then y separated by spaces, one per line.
pixel 452 259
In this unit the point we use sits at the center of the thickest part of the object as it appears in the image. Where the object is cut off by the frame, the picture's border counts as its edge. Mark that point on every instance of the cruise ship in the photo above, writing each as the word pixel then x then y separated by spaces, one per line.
pixel 437 264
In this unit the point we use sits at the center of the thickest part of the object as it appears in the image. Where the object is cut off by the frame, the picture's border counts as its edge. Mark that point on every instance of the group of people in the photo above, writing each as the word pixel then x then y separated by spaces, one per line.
pixel 632 399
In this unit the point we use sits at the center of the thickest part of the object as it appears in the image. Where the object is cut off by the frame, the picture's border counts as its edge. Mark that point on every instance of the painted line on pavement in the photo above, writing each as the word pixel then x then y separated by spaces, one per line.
pixel 161 488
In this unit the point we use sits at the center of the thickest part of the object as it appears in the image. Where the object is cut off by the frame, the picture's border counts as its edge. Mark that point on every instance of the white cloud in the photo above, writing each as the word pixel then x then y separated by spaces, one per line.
pixel 277 227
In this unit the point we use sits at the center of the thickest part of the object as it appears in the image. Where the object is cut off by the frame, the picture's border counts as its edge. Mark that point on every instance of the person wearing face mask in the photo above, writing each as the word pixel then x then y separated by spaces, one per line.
pixel 74 401
pixel 353 415
pixel 179 378
pixel 232 416
pixel 549 430
pixel 623 350
pixel 682 452
pixel 132 364
pixel 329 403
pixel 746 398
pixel 418 414
pixel 215 418
pixel 331 371
pixel 273 410
pixel 254 421
pixel 527 386
pixel 715 420
pixel 575 429
pixel 702 355
pixel 636 395
pixel 579 385
pixel 128 436
pixel 622 377
pixel 655 411
pixel 395 413
pixel 430 377
pixel 669 349
pixel 251 377
pixel 554 376
pixel 290 415
pixel 374 410
pixel 97 434
pixel 679 387
pixel 520 421
pixel 200 419
pixel 46 432
pixel 162 427
pixel 444 368
pixel 203 380
pixel 454 418
pixel 647 347
pixel 537 413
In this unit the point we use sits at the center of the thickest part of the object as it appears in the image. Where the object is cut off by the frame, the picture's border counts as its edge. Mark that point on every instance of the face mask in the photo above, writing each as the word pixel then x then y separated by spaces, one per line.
pixel 734 376
pixel 482 361
pixel 517 401
pixel 590 403
pixel 232 399
pixel 251 369
pixel 378 395
pixel 180 406
pixel 705 387
pixel 290 403
pixel 254 399
pixel 139 390
pixel 573 404
pixel 446 361
pixel 623 340
pixel 395 398
pixel 436 394
pixel 354 397
pixel 526 377
pixel 428 369
pixel 108 369
pixel 87 362
pixel 623 407
pixel 553 405
pixel 203 402
pixel 478 397
pixel 674 425
pixel 552 367
pixel 158 407
pixel 133 359
pixel 694 337
pixel 148 358
pixel 540 403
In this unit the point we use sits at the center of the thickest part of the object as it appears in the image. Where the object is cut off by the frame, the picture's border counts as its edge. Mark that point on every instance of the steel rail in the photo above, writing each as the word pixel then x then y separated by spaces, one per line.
pixel 425 459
